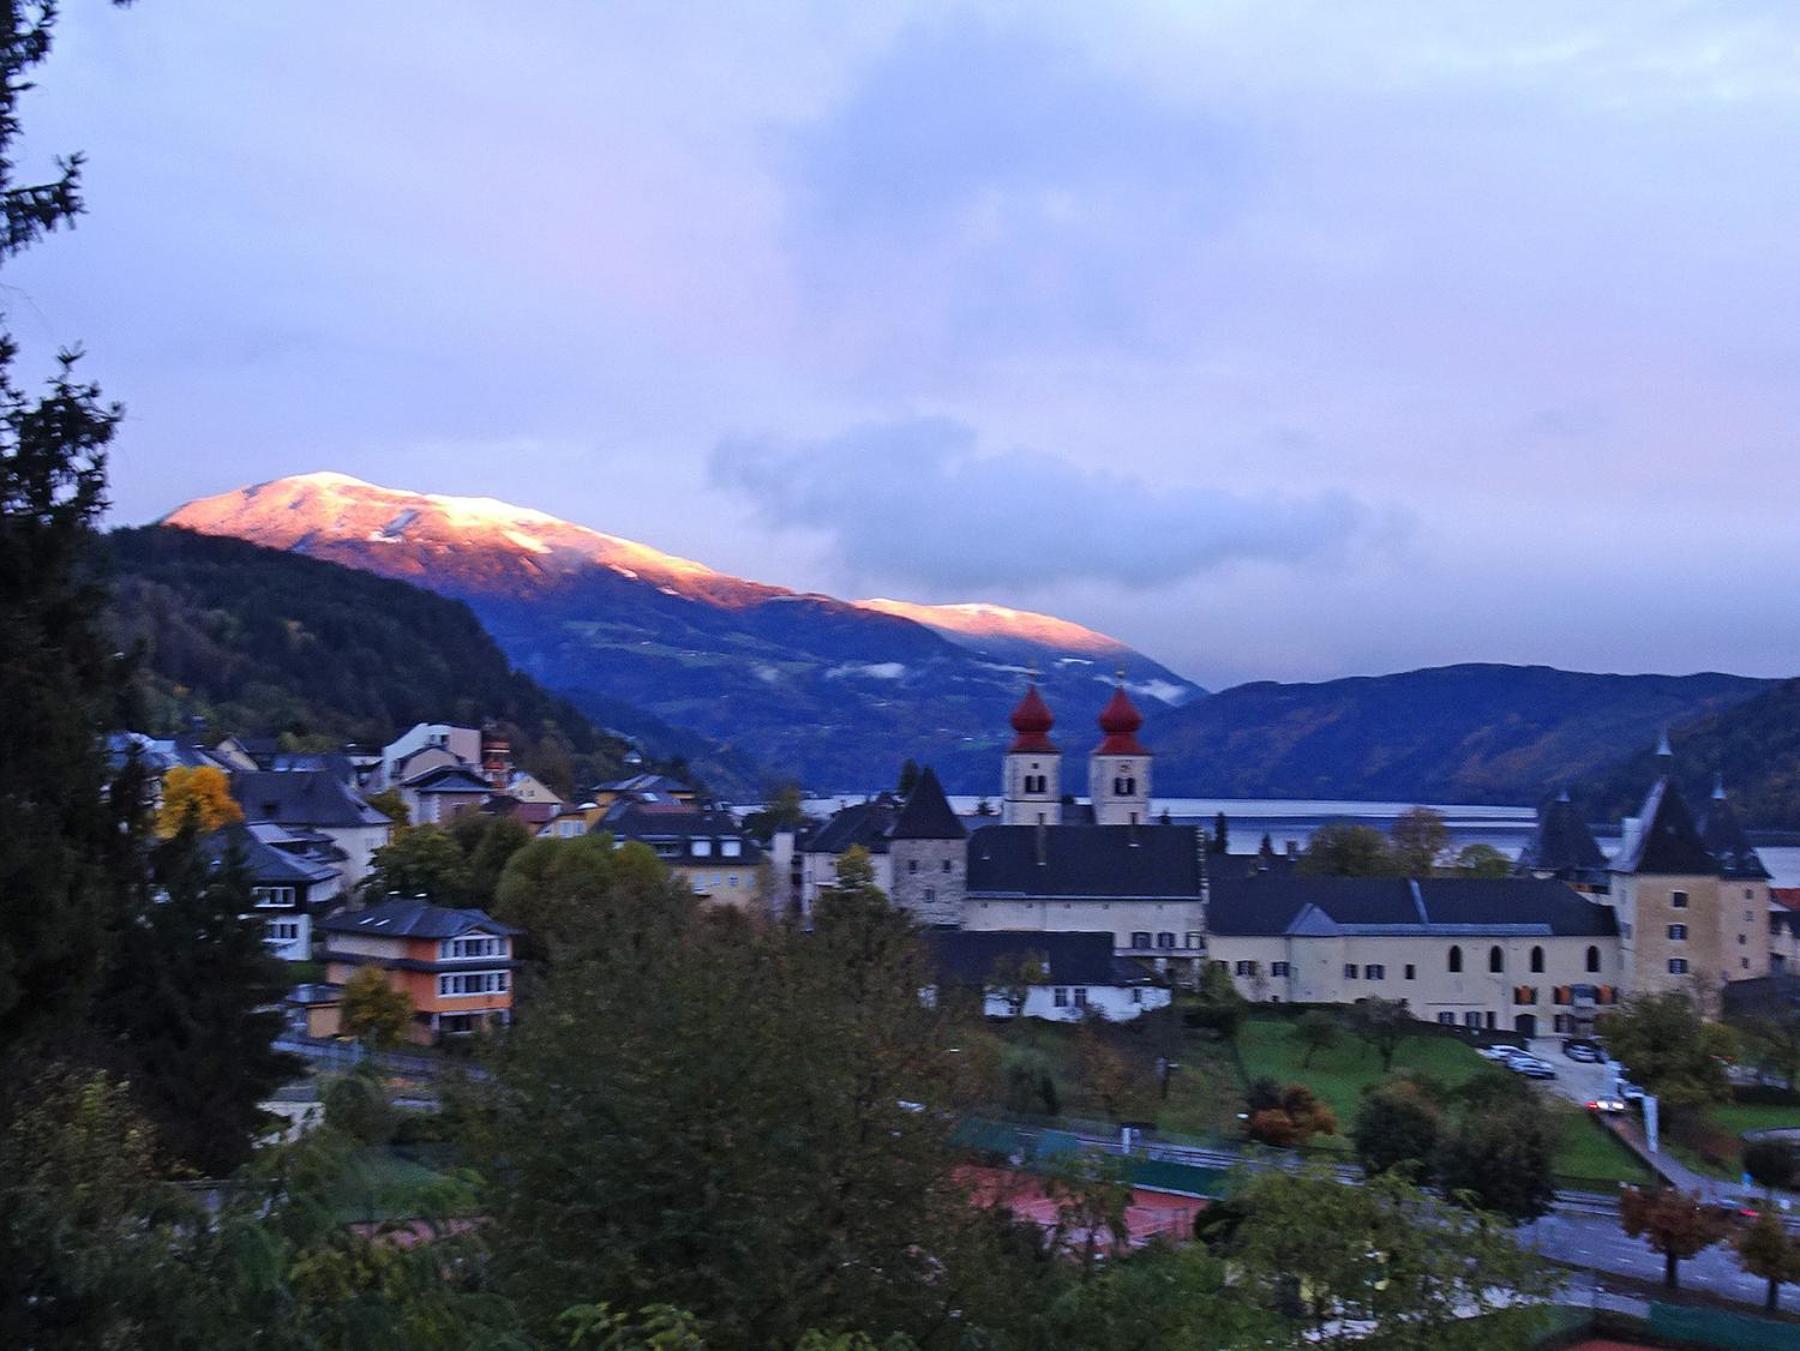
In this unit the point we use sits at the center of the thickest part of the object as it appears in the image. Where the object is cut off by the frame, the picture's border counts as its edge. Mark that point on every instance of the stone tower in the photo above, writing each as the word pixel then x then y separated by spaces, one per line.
pixel 1743 891
pixel 1033 787
pixel 1119 768
pixel 928 848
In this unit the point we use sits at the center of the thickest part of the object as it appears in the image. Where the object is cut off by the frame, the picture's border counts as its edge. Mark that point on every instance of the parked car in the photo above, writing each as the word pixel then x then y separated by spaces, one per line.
pixel 1606 1105
pixel 1531 1067
pixel 1501 1053
pixel 1584 1051
pixel 1630 1091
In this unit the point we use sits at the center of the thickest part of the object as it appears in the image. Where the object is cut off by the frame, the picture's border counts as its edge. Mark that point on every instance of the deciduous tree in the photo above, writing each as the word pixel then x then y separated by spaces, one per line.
pixel 1500 1155
pixel 1344 849
pixel 1419 839
pixel 1677 1224
pixel 373 1011
pixel 1286 1116
pixel 199 792
pixel 1317 1031
pixel 1398 1127
pixel 1766 1249
pixel 1384 1024
pixel 1482 860
pixel 1668 1049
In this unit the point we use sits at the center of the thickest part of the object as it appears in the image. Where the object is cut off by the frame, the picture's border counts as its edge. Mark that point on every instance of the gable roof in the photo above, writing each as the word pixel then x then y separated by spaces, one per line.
pixel 862 823
pixel 1087 861
pixel 972 956
pixel 926 814
pixel 403 917
pixel 1562 843
pixel 302 797
pixel 662 822
pixel 449 779
pixel 1272 905
pixel 1726 841
pixel 266 864
pixel 1666 843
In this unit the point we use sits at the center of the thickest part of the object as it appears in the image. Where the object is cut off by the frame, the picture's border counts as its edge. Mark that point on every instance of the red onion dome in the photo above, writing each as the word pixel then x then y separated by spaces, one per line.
pixel 1032 720
pixel 1120 721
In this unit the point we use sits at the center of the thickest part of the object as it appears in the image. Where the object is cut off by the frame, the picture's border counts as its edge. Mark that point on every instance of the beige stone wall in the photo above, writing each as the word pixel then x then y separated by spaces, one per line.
pixel 1648 906
pixel 1316 973
pixel 1744 929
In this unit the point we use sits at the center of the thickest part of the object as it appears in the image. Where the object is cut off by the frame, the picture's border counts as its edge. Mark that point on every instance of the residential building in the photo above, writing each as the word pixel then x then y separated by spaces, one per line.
pixel 706 849
pixel 442 793
pixel 428 745
pixel 316 801
pixel 455 966
pixel 644 788
pixel 291 881
pixel 1058 977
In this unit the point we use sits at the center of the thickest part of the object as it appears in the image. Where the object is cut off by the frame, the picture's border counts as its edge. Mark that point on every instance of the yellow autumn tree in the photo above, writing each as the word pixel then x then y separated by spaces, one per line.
pixel 202 789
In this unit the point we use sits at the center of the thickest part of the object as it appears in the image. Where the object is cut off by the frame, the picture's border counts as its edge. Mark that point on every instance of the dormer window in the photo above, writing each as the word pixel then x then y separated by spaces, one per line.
pixel 731 848
pixel 702 848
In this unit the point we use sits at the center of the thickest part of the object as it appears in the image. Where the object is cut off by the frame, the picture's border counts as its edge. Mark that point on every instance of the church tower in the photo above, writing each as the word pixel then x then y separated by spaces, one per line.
pixel 1033 788
pixel 1119 768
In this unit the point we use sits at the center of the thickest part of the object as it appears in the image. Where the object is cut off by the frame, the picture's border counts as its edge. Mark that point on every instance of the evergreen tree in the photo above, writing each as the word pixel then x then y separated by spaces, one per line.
pixel 192 1002
pixel 61 846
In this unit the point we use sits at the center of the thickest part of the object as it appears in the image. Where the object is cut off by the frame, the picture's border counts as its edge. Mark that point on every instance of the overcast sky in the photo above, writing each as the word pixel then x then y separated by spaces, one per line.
pixel 1281 340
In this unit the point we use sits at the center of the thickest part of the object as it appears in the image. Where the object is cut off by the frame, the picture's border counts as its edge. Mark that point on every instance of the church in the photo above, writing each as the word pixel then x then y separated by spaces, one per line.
pixel 1683 904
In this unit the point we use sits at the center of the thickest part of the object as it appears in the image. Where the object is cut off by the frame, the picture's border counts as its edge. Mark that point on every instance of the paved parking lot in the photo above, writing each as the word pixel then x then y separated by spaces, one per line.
pixel 1578 1082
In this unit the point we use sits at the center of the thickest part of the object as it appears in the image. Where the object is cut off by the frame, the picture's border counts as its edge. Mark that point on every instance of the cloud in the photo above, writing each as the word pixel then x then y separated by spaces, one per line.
pixel 918 500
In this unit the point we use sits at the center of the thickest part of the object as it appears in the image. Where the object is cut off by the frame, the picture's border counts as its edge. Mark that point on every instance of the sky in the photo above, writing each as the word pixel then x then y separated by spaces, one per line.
pixel 1280 340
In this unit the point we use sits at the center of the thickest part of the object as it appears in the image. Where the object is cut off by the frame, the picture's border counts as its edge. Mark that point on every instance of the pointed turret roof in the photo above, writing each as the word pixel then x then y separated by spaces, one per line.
pixel 1726 841
pixel 1120 721
pixel 1562 845
pixel 1032 720
pixel 1667 841
pixel 926 813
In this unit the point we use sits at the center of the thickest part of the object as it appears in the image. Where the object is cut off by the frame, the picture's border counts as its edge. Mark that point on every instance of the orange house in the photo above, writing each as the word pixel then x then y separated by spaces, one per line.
pixel 456 966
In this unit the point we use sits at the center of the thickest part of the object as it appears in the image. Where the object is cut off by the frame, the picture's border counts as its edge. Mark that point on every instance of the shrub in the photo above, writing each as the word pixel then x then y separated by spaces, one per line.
pixel 357 1104
pixel 1291 1119
pixel 1773 1162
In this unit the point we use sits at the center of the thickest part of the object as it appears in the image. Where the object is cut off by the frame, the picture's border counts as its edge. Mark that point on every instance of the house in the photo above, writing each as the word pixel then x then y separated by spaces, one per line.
pixel 443 793
pixel 316 801
pixel 1524 954
pixel 572 822
pixel 291 880
pixel 1058 977
pixel 706 849
pixel 456 966
pixel 427 745
pixel 645 788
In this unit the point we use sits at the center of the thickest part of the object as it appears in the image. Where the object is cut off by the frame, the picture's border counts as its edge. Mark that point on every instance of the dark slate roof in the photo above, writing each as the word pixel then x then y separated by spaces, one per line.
pixel 863 823
pixel 971 956
pixel 302 798
pixel 267 865
pixel 926 814
pixel 629 819
pixel 335 763
pixel 402 918
pixel 1725 840
pixel 1562 844
pixel 1667 842
pixel 449 779
pixel 1320 906
pixel 1100 861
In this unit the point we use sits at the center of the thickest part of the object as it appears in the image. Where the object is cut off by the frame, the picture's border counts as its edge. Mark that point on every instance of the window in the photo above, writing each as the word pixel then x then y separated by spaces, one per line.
pixel 732 880
pixel 1744 962
pixel 1678 899
pixel 731 848
pixel 1349 970
pixel 1749 893
pixel 1411 971
pixel 273 898
pixel 1593 958
pixel 1140 938
pixel 1455 959
pixel 1537 960
pixel 1496 959
pixel 1678 966
pixel 1165 940
pixel 1245 969
pixel 456 949
pixel 568 829
pixel 1137 995
pixel 1472 1019
pixel 282 931
pixel 1748 917
pixel 1060 997
pixel 912 865
pixel 930 893
pixel 1375 971
pixel 1279 968
pixel 1081 996
pixel 1447 1019
pixel 946 867
pixel 1678 932
pixel 473 983
pixel 1560 1023
pixel 1740 940
pixel 701 848
pixel 1194 940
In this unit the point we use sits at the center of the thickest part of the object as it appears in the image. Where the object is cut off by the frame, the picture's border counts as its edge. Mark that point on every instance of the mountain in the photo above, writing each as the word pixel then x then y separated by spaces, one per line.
pixel 262 642
pixel 1752 745
pixel 1471 733
pixel 829 691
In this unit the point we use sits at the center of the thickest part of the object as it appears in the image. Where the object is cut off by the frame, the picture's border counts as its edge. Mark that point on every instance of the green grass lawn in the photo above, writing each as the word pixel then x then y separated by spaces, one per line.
pixel 1738 1117
pixel 1590 1157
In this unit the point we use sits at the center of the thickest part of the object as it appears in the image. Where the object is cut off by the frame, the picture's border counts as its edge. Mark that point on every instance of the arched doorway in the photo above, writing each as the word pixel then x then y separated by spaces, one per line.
pixel 1525 1024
